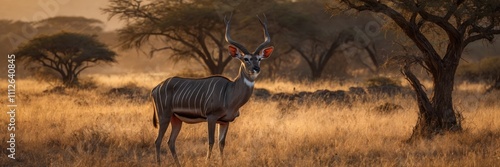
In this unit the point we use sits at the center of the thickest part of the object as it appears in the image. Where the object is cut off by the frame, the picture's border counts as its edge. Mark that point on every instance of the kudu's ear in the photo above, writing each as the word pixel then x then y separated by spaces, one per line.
pixel 234 51
pixel 266 52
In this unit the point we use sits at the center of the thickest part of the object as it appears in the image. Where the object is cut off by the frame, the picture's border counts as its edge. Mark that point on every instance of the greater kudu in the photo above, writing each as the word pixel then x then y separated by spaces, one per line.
pixel 215 99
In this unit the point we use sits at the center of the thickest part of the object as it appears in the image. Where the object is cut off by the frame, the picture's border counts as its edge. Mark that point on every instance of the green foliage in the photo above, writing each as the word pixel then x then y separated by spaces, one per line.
pixel 66 53
pixel 488 69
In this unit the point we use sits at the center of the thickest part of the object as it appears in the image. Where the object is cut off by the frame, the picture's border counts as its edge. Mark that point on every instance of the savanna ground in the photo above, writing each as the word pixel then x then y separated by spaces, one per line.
pixel 93 127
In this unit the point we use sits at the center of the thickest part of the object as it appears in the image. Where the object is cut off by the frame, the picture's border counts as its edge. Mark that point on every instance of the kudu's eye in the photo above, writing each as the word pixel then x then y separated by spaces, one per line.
pixel 246 59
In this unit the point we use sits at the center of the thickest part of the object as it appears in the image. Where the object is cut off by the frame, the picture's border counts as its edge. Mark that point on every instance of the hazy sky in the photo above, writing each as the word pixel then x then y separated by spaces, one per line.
pixel 30 10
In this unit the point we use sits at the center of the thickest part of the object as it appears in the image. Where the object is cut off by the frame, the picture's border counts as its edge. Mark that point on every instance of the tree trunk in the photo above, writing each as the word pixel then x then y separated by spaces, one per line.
pixel 435 116
pixel 316 74
pixel 70 80
pixel 216 70
pixel 443 102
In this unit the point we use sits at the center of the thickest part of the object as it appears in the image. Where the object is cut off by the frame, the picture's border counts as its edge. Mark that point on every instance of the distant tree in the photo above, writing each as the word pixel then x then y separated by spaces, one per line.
pixel 13 33
pixel 317 53
pixel 66 53
pixel 195 29
pixel 315 36
pixel 459 22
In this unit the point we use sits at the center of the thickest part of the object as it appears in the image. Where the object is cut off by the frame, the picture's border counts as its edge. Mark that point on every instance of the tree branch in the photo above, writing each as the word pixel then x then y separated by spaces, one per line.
pixel 487 35
pixel 450 30
pixel 453 8
pixel 188 44
pixel 83 68
pixel 411 30
pixel 153 50
pixel 424 103
pixel 53 68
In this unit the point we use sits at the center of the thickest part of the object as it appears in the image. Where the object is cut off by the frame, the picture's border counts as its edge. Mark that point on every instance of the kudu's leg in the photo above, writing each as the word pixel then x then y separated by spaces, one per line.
pixel 164 121
pixel 211 132
pixel 223 127
pixel 176 128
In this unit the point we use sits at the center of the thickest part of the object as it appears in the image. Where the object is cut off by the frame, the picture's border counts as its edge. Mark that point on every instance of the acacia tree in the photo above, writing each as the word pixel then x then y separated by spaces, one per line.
pixel 66 53
pixel 463 22
pixel 315 36
pixel 189 29
pixel 317 53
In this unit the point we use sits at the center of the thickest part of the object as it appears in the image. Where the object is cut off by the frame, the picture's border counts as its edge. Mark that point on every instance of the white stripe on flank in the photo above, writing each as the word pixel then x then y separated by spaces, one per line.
pixel 173 94
pixel 206 101
pixel 166 91
pixel 196 97
pixel 191 94
pixel 159 97
pixel 220 94
pixel 177 93
pixel 186 90
pixel 204 95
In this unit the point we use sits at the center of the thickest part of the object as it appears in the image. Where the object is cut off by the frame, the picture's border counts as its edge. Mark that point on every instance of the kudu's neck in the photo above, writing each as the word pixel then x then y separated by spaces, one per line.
pixel 243 80
pixel 242 88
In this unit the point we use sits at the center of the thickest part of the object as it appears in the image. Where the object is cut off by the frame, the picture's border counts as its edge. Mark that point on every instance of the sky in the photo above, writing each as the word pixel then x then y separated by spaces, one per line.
pixel 33 10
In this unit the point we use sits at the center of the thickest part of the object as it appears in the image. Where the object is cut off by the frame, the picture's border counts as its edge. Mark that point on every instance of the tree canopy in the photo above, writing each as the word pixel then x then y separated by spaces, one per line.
pixel 66 53
pixel 192 30
pixel 195 30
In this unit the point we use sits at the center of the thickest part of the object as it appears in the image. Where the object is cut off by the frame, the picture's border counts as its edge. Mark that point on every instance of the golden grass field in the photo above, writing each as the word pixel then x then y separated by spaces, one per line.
pixel 93 128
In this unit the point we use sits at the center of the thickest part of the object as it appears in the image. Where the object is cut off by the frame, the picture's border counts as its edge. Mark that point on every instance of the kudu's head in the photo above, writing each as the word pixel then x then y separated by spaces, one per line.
pixel 251 61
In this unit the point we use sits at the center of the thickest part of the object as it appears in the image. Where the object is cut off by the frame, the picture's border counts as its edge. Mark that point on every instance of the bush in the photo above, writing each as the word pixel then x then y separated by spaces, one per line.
pixel 130 91
pixel 488 69
pixel 387 108
pixel 383 85
pixel 382 81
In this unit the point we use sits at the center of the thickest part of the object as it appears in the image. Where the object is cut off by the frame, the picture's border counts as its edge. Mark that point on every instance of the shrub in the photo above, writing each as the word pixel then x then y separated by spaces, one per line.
pixel 130 91
pixel 387 108
pixel 382 81
pixel 383 85
pixel 487 70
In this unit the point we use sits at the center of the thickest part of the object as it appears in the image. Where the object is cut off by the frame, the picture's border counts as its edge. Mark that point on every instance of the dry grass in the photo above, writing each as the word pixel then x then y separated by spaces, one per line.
pixel 91 128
